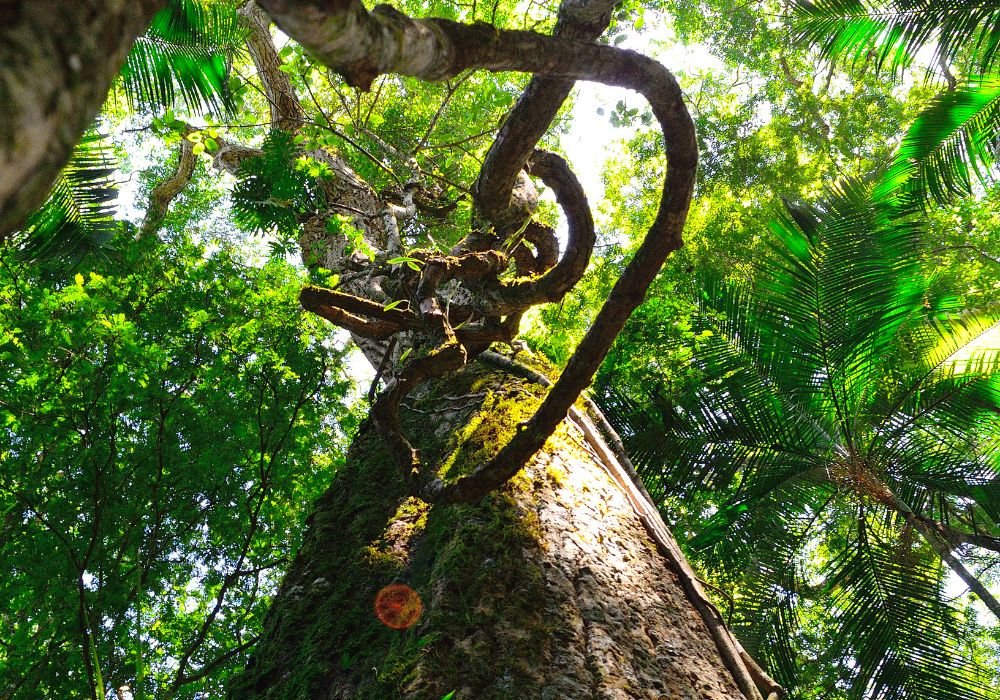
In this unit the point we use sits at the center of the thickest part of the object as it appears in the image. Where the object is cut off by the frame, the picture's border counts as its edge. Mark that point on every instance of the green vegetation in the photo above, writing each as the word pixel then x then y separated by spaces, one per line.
pixel 841 436
pixel 811 390
pixel 168 416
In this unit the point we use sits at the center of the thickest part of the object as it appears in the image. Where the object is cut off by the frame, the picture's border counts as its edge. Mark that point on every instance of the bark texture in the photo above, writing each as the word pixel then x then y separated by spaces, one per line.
pixel 57 62
pixel 547 588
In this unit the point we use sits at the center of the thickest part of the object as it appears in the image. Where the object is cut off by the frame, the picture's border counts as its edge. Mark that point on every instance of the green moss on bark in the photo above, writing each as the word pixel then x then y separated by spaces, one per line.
pixel 474 567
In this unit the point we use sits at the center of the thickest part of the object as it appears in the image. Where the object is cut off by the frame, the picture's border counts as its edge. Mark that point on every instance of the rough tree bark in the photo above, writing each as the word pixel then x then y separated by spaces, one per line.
pixel 547 588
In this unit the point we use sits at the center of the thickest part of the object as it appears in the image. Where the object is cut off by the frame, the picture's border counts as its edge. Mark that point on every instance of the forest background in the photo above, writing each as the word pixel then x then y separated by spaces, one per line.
pixel 156 331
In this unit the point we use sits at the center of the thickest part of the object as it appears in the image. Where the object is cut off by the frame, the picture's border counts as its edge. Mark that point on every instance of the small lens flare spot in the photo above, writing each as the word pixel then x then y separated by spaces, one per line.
pixel 398 606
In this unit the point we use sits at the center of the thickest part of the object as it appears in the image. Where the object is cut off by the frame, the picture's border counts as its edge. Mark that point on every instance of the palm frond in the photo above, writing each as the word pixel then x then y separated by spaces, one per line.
pixel 828 381
pixel 185 54
pixel 938 472
pixel 951 144
pixel 887 596
pixel 759 553
pixel 890 34
pixel 843 278
pixel 78 216
pixel 944 351
pixel 945 443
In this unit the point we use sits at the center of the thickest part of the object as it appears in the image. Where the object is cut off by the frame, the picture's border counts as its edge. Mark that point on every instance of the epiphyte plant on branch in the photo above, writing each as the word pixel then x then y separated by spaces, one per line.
pixel 846 423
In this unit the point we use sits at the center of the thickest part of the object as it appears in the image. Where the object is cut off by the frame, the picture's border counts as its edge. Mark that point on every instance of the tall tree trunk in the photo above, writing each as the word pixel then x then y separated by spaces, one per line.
pixel 548 588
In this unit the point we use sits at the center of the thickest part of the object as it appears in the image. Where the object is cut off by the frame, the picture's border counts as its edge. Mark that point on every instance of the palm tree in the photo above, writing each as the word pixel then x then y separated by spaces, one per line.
pixel 951 144
pixel 847 428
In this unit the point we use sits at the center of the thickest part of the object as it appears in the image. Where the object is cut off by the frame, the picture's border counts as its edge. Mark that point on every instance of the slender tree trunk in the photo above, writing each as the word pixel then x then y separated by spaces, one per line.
pixel 943 548
pixel 547 588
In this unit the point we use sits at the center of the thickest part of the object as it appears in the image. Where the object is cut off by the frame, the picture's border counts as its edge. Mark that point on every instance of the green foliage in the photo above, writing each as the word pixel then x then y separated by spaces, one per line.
pixel 78 216
pixel 950 146
pixel 954 137
pixel 185 53
pixel 167 418
pixel 154 440
pixel 891 33
pixel 836 391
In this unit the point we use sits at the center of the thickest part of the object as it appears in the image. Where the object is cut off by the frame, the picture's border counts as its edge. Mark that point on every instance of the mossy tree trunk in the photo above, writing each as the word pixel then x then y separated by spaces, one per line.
pixel 547 588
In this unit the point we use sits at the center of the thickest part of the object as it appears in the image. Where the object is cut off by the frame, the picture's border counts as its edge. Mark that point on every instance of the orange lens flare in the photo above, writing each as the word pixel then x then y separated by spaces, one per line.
pixel 398 606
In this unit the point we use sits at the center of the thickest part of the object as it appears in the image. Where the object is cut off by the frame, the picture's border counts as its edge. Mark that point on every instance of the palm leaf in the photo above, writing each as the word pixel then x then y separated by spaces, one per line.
pixel 939 472
pixel 951 144
pixel 892 33
pixel 765 545
pixel 185 54
pixel 843 279
pixel 803 377
pixel 78 216
pixel 887 596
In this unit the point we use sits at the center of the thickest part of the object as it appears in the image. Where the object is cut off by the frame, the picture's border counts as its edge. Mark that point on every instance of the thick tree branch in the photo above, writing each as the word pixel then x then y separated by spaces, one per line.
pixel 57 62
pixel 554 284
pixel 164 193
pixel 286 112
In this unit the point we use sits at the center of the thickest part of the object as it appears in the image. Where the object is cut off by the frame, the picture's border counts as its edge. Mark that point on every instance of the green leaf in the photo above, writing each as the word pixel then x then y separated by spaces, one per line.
pixel 895 31
pixel 185 54
pixel 78 216
pixel 413 263
pixel 950 145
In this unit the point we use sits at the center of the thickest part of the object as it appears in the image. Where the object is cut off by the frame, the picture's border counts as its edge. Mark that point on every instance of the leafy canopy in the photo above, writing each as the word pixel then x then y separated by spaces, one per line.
pixel 952 139
pixel 166 418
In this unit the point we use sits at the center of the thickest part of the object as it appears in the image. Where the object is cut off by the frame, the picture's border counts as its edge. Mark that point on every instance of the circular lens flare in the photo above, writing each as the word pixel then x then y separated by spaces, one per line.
pixel 398 606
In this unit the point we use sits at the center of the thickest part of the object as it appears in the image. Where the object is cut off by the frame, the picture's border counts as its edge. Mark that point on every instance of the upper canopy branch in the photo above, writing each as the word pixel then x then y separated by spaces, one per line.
pixel 164 193
pixel 362 45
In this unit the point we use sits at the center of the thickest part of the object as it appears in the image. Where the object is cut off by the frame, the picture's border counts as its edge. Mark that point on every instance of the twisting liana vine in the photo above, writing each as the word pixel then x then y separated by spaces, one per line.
pixel 437 50
pixel 458 304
